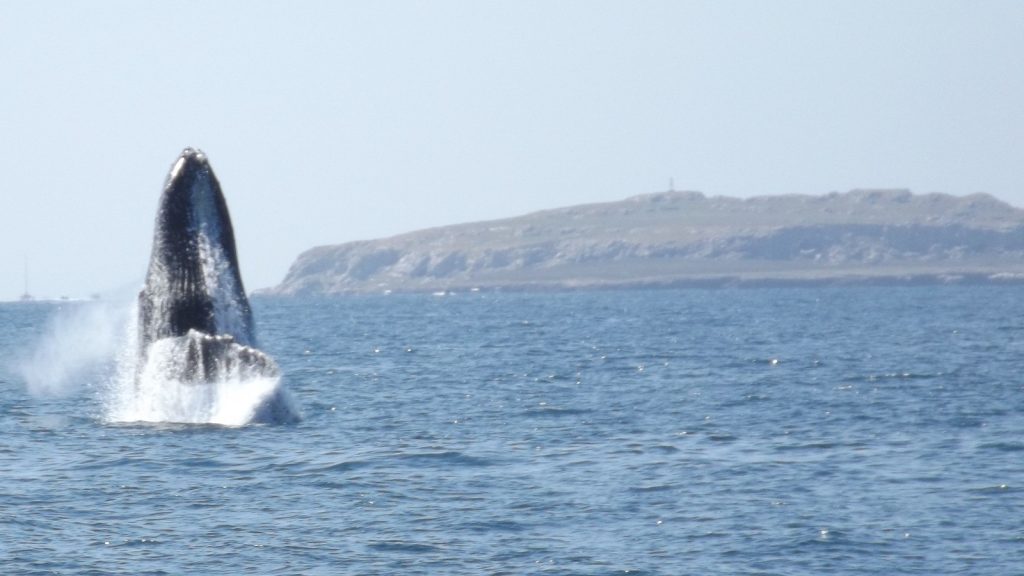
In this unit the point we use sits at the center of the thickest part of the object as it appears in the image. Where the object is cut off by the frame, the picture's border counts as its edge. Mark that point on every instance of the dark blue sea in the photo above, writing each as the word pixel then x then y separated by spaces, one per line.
pixel 791 431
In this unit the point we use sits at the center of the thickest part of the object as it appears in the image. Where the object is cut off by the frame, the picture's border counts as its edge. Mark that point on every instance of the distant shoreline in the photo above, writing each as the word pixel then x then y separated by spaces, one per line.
pixel 686 239
pixel 705 283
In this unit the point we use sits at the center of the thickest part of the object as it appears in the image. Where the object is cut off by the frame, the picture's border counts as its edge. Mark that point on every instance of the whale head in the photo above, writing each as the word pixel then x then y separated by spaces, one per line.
pixel 197 359
pixel 193 281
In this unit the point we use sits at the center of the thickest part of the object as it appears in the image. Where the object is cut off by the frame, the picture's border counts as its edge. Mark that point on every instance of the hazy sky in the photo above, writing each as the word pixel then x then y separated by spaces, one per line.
pixel 335 121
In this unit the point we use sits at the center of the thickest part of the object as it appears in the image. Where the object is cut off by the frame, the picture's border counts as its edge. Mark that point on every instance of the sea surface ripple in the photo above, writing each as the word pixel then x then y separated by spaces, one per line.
pixel 840 430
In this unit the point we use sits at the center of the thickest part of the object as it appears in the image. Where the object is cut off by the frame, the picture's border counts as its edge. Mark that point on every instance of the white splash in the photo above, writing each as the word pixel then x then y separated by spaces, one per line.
pixel 94 346
pixel 161 391
pixel 75 351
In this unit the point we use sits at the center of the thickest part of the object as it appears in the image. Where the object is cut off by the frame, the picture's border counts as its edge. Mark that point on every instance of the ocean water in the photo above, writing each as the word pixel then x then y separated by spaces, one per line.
pixel 839 430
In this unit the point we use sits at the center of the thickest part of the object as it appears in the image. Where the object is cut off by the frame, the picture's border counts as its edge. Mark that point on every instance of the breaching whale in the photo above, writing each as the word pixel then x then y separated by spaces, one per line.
pixel 194 320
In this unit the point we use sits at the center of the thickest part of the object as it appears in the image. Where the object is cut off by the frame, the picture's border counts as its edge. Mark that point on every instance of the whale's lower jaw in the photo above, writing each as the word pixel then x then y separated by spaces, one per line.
pixel 199 358
pixel 198 378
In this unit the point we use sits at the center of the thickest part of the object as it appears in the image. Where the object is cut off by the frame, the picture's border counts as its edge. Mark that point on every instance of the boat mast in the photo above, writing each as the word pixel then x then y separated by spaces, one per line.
pixel 25 295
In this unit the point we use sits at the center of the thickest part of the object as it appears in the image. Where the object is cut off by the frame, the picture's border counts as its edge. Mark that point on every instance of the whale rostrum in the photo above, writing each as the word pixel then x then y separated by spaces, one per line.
pixel 194 316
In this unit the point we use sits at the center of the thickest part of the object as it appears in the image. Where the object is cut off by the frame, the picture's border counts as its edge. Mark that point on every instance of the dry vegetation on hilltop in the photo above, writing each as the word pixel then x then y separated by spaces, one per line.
pixel 680 238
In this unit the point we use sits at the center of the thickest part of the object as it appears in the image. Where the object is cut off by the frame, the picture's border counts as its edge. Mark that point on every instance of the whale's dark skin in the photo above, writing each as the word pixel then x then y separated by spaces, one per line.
pixel 194 299
pixel 177 296
pixel 195 322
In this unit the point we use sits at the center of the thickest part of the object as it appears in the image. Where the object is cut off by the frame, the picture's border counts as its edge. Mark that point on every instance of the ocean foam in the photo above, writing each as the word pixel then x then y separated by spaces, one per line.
pixel 159 391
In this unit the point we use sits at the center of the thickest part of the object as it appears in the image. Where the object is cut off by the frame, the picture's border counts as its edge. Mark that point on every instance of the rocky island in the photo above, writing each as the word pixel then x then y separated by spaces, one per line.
pixel 688 239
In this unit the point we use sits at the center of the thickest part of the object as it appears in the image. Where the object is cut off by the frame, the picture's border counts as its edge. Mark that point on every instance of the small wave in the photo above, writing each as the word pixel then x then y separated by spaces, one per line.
pixel 342 466
pixel 808 446
pixel 203 463
pixel 555 412
pixel 652 488
pixel 108 464
pixel 399 546
pixel 494 526
pixel 134 542
pixel 888 376
pixel 1003 446
pixel 996 489
pixel 447 457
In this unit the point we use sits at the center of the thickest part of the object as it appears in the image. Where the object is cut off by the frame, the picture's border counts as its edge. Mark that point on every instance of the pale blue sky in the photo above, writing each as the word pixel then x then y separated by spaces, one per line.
pixel 335 121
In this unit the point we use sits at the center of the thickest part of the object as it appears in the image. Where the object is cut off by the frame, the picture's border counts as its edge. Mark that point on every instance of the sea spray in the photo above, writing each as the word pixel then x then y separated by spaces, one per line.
pixel 76 350
pixel 159 391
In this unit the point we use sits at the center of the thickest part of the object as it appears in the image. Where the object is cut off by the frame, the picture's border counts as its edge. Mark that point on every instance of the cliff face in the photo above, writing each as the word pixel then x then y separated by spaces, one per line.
pixel 685 237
